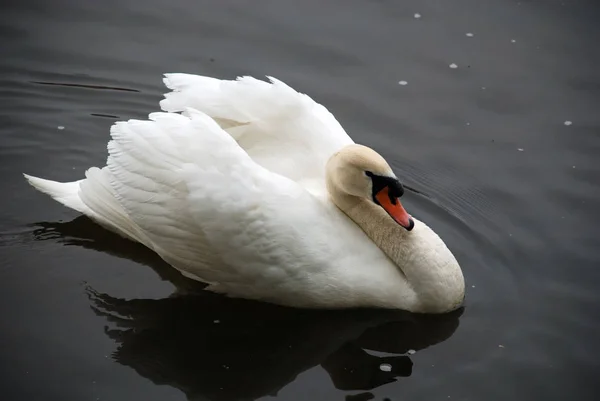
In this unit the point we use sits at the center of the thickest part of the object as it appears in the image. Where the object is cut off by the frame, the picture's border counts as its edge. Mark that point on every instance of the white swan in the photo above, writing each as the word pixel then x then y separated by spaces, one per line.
pixel 258 191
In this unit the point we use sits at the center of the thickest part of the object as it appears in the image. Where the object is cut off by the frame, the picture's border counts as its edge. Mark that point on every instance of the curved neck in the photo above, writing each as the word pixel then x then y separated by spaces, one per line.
pixel 379 227
pixel 427 264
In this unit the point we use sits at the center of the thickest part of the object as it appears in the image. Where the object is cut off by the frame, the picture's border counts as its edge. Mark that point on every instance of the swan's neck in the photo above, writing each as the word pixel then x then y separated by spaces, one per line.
pixel 389 236
pixel 426 263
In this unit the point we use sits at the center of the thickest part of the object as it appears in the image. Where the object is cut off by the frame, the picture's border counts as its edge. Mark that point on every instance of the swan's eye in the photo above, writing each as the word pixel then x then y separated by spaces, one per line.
pixel 394 188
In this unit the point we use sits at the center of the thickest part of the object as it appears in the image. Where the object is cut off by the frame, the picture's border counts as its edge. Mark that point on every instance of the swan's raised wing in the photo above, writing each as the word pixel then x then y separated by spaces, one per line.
pixel 208 209
pixel 282 130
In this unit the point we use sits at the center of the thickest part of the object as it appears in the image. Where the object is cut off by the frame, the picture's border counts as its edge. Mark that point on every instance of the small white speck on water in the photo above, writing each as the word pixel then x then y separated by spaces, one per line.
pixel 60 127
pixel 411 352
pixel 573 166
pixel 513 41
pixel 403 83
pixel 567 123
pixel 483 88
pixel 500 346
pixel 385 367
pixel 216 321
pixel 469 34
pixel 453 65
pixel 417 15
pixel 473 286
pixel 468 123
pixel 520 149
pixel 509 234
pixel 226 367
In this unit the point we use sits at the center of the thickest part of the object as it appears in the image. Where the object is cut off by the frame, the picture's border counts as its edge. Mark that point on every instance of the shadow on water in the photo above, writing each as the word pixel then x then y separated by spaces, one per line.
pixel 218 348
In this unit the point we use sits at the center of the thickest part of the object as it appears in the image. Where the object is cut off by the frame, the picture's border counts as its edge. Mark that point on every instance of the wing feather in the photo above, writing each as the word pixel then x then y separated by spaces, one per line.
pixel 206 207
pixel 282 130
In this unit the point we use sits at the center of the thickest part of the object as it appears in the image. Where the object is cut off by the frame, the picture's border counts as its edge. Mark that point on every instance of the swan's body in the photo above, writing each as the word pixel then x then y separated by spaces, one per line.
pixel 258 191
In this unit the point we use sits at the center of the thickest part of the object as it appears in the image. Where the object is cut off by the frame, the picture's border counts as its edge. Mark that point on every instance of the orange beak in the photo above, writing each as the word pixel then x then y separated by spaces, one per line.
pixel 394 208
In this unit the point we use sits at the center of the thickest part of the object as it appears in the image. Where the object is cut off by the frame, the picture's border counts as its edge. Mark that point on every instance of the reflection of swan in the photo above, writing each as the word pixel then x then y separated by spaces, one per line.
pixel 82 232
pixel 227 349
pixel 258 191
pixel 217 348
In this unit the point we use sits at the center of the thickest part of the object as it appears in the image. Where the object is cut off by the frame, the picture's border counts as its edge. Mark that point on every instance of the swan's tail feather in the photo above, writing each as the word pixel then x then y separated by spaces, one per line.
pixel 97 193
pixel 66 193
pixel 92 197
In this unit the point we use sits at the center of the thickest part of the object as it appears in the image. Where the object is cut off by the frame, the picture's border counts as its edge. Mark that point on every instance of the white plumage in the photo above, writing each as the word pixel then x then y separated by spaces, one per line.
pixel 233 192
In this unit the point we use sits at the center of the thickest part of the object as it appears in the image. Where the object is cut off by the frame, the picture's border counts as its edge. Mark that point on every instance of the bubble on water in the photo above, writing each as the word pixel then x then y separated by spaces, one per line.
pixel 417 15
pixel 469 34
pixel 411 352
pixel 385 367
pixel 567 123
pixel 453 65
pixel 403 83
pixel 520 149
pixel 60 127
pixel 513 40
pixel 468 123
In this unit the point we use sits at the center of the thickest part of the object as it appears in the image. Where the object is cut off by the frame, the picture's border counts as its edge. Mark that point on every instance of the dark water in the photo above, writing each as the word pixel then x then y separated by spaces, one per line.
pixel 510 187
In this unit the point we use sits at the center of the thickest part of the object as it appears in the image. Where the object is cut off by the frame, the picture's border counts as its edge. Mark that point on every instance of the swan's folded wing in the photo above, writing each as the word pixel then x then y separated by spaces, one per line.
pixel 282 130
pixel 208 209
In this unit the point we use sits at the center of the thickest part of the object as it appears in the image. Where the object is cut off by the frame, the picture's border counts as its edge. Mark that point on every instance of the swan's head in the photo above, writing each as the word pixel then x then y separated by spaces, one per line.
pixel 359 171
